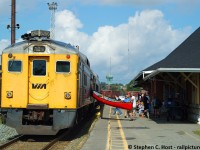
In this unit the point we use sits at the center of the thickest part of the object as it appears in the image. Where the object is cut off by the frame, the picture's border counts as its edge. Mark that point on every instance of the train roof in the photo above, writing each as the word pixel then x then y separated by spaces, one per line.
pixel 41 38
pixel 20 47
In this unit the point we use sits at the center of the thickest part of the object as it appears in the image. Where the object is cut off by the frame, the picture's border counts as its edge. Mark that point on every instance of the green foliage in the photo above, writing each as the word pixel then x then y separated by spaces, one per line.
pixel 197 132
pixel 131 88
pixel 103 86
pixel 120 87
pixel 114 87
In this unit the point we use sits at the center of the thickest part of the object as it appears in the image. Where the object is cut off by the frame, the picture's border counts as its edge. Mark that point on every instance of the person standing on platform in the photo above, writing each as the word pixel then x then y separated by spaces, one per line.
pixel 156 106
pixel 101 109
pixel 126 100
pixel 115 110
pixel 145 101
pixel 149 102
pixel 141 109
pixel 132 112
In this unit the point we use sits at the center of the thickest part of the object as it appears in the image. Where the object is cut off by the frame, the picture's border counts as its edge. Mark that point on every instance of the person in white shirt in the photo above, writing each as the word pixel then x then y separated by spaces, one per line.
pixel 132 112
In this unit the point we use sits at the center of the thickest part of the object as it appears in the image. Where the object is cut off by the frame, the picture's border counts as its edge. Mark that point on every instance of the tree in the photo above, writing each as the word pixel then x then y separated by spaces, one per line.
pixel 130 86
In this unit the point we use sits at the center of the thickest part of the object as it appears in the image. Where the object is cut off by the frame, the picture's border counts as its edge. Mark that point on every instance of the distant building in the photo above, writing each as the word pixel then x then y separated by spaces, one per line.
pixel 177 76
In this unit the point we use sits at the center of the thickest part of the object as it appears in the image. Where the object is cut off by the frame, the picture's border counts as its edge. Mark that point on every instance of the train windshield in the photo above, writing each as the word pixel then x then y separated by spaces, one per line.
pixel 63 66
pixel 39 67
pixel 14 66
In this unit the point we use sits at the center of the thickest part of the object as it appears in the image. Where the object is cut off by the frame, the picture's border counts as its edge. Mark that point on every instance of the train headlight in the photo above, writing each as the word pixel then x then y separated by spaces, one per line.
pixel 68 56
pixel 67 95
pixel 10 55
pixel 9 94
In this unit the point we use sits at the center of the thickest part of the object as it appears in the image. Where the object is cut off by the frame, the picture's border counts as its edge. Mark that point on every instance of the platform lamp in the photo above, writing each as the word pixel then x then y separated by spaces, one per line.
pixel 17 26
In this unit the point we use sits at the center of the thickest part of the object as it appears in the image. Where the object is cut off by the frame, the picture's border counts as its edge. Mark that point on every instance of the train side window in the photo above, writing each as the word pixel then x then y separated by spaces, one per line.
pixel 14 66
pixel 39 67
pixel 63 66
pixel 85 80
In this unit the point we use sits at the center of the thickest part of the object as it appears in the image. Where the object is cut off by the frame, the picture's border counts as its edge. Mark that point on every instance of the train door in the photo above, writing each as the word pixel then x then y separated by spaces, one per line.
pixel 38 80
pixel 81 83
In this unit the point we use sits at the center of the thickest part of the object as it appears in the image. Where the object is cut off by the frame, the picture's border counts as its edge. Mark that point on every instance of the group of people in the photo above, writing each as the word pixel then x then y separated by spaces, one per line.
pixel 141 104
pixel 127 113
pixel 146 106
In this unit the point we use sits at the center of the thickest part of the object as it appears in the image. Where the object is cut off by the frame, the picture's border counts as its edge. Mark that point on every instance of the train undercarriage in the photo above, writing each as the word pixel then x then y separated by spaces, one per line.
pixel 44 122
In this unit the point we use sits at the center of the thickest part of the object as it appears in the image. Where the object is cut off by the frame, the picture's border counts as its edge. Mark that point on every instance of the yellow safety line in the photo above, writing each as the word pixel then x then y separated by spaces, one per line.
pixel 122 135
pixel 192 136
pixel 108 146
pixel 108 136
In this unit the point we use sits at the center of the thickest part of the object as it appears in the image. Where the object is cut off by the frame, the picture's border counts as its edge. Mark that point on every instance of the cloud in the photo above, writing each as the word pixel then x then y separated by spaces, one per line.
pixel 143 2
pixel 67 20
pixel 125 49
pixel 21 5
pixel 24 5
pixel 4 6
pixel 145 39
pixel 67 29
pixel 135 2
pixel 3 43
pixel 121 50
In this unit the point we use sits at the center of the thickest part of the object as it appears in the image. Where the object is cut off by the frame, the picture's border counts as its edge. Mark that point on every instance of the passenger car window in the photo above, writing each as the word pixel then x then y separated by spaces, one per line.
pixel 14 65
pixel 63 66
pixel 39 67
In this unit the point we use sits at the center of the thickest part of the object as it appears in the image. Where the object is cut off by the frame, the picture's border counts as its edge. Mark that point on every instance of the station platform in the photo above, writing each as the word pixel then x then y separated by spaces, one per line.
pixel 118 133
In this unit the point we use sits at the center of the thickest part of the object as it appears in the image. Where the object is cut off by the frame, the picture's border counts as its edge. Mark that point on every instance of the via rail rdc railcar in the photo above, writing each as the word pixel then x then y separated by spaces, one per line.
pixel 46 85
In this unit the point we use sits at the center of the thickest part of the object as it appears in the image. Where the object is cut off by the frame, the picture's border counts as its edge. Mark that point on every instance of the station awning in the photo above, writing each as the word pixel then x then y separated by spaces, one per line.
pixel 159 70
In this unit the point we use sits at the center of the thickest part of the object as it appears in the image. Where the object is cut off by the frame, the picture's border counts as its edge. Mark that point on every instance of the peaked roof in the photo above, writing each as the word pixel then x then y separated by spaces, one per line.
pixel 186 55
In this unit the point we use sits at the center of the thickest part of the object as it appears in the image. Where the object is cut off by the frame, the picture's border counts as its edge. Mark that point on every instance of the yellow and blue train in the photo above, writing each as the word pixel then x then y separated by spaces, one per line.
pixel 46 85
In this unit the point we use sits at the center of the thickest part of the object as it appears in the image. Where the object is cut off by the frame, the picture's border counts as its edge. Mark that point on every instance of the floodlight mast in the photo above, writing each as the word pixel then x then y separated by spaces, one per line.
pixel 109 77
pixel 52 8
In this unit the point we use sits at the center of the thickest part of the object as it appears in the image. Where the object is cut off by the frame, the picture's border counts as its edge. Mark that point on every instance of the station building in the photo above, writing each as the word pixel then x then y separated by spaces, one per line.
pixel 177 76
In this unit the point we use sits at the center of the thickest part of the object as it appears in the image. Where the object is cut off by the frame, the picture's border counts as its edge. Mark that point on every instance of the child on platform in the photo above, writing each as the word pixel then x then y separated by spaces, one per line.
pixel 141 109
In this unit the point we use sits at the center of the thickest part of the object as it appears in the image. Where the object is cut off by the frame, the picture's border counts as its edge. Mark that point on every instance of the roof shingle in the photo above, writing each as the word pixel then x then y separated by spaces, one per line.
pixel 186 55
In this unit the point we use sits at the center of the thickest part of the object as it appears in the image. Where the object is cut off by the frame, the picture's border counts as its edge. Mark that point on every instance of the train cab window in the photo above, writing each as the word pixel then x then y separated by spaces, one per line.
pixel 63 66
pixel 39 67
pixel 14 66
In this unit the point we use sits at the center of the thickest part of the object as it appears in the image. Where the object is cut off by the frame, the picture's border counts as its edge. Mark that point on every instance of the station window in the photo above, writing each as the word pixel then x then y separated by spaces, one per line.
pixel 14 66
pixel 39 67
pixel 63 66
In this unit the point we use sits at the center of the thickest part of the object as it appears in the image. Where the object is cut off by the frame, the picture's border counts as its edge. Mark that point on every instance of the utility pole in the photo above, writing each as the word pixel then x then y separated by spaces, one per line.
pixel 13 25
pixel 52 8
pixel 13 5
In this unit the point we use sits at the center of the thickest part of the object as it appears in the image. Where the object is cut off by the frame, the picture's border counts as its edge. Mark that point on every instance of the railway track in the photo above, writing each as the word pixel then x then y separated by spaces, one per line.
pixel 14 140
pixel 59 142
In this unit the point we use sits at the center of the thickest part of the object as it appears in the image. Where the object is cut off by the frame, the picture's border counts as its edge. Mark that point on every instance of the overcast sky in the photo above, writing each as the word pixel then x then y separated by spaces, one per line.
pixel 121 37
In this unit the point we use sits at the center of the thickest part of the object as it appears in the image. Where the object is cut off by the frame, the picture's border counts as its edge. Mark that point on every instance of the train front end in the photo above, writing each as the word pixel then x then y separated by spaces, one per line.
pixel 39 85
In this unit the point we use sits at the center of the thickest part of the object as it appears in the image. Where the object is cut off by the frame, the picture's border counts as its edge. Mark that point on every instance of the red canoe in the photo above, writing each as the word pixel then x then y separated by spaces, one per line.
pixel 112 102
